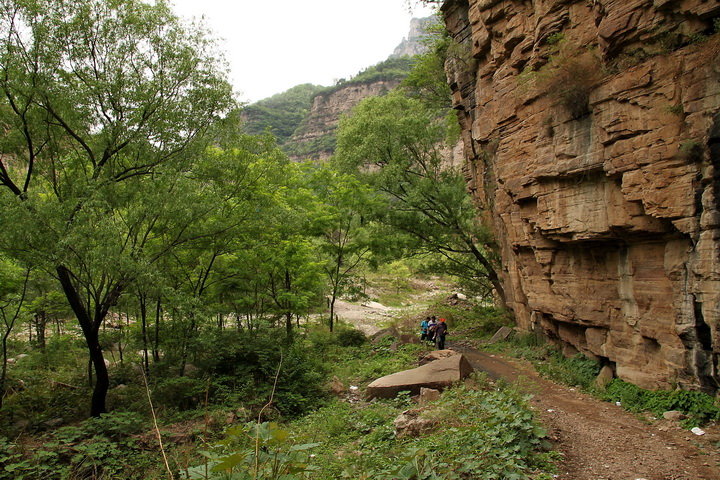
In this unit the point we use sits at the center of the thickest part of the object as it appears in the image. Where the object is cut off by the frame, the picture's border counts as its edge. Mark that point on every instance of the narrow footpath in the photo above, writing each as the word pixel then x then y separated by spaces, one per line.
pixel 601 441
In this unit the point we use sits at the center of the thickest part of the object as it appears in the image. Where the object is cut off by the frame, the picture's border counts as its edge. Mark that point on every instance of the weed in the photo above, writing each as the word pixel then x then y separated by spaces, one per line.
pixel 691 150
pixel 555 39
pixel 568 77
pixel 676 109
pixel 700 408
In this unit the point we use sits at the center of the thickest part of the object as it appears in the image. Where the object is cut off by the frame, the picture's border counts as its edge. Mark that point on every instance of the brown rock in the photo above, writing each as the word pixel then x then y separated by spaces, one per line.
pixel 437 355
pixel 411 424
pixel 336 386
pixel 604 377
pixel 607 221
pixel 438 375
pixel 674 415
pixel 503 333
pixel 428 395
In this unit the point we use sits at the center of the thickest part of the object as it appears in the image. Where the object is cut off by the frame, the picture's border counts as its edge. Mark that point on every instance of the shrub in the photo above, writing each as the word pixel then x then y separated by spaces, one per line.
pixel 568 77
pixel 699 407
pixel 351 338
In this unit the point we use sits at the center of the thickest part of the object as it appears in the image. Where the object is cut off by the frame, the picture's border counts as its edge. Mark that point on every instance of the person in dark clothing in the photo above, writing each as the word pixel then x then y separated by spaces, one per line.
pixel 424 329
pixel 440 332
pixel 432 324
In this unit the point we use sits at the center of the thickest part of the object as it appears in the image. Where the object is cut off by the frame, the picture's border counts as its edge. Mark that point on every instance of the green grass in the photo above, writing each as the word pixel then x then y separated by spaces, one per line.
pixel 580 371
pixel 482 430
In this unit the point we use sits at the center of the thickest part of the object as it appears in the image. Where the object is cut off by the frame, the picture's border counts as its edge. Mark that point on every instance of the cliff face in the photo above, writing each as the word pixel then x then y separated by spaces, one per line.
pixel 591 134
pixel 315 137
pixel 413 43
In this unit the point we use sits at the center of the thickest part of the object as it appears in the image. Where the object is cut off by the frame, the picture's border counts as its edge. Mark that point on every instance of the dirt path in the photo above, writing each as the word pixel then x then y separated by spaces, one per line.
pixel 601 441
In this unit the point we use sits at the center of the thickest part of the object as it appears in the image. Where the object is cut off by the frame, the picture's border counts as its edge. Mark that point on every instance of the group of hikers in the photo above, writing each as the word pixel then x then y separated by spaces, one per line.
pixel 434 330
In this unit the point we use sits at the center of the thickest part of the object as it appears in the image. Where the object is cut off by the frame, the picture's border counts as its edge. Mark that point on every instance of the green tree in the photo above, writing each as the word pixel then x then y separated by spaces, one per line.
pixel 340 226
pixel 13 290
pixel 105 106
pixel 395 144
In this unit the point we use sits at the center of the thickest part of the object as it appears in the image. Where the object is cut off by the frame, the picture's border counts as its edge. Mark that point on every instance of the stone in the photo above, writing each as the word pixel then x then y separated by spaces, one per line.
pixel 382 334
pixel 406 338
pixel 674 415
pixel 336 386
pixel 436 355
pixel 428 395
pixel 606 222
pixel 438 375
pixel 604 377
pixel 503 333
pixel 410 423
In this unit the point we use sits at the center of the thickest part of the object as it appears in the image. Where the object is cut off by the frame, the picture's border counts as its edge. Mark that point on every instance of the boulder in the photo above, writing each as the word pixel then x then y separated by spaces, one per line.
pixel 438 375
pixel 437 355
pixel 604 377
pixel 428 395
pixel 502 334
pixel 406 338
pixel 411 423
pixel 674 415
pixel 336 386
pixel 382 334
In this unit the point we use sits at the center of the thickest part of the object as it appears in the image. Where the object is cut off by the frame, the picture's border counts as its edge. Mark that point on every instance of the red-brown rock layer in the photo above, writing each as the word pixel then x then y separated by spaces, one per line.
pixel 591 133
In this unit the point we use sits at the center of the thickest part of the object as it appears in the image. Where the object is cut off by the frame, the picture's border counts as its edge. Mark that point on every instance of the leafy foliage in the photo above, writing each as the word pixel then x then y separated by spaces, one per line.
pixel 256 450
pixel 700 407
pixel 394 143
pixel 280 114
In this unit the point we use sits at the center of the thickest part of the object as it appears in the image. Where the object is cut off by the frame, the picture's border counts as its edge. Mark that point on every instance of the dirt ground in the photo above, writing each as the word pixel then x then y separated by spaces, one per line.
pixel 598 440
pixel 601 441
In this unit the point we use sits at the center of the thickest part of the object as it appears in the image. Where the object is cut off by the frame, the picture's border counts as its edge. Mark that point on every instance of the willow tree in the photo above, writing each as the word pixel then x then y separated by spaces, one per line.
pixel 396 144
pixel 105 106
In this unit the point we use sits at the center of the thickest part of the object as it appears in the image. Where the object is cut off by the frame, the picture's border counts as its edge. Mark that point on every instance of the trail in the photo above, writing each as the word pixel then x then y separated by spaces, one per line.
pixel 601 441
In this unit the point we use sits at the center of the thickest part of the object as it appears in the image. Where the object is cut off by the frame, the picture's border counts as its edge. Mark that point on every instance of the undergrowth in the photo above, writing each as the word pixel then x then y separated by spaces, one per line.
pixel 481 430
pixel 580 371
pixel 699 407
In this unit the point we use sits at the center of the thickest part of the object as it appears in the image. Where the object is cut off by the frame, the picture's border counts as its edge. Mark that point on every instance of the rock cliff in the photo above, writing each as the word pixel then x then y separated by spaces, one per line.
pixel 591 133
pixel 315 137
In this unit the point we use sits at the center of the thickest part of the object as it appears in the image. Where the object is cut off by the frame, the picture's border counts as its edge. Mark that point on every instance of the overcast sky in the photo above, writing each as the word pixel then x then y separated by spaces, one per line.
pixel 272 45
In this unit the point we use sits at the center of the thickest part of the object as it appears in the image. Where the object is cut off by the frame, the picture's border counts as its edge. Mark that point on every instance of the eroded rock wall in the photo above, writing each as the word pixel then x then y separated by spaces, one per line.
pixel 591 133
pixel 315 137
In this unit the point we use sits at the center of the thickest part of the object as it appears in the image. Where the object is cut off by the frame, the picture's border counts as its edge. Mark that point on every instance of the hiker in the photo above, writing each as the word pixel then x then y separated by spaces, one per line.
pixel 424 329
pixel 432 324
pixel 440 332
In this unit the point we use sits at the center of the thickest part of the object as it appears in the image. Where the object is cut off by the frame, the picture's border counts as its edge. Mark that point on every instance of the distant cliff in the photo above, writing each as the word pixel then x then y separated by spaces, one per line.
pixel 304 118
pixel 413 44
pixel 591 133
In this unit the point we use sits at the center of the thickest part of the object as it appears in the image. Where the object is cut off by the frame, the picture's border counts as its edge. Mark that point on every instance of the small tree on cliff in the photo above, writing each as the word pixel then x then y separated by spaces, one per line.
pixel 395 144
pixel 105 105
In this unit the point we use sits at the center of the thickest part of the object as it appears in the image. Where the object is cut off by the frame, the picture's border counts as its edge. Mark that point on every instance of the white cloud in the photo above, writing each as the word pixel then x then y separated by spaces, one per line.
pixel 273 45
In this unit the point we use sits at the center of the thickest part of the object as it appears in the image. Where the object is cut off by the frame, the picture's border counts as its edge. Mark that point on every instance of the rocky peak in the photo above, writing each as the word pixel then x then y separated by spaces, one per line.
pixel 413 43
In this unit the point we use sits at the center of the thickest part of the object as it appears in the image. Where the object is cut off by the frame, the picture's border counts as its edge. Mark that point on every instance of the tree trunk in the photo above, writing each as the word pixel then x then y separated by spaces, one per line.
pixel 90 328
pixel 332 311
pixel 102 379
pixel 3 375
pixel 143 324
pixel 288 314
pixel 158 315
pixel 40 325
pixel 491 273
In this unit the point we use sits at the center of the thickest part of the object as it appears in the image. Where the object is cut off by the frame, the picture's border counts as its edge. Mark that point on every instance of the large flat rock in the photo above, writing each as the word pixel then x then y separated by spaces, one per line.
pixel 439 375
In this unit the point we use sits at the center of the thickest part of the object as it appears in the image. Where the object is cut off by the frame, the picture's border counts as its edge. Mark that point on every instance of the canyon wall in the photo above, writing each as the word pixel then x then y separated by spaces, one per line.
pixel 591 132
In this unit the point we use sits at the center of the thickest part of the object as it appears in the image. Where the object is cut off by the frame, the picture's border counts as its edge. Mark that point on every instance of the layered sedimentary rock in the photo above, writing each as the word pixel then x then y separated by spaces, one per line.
pixel 591 134
pixel 315 137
